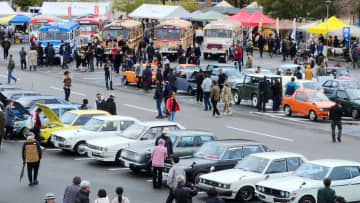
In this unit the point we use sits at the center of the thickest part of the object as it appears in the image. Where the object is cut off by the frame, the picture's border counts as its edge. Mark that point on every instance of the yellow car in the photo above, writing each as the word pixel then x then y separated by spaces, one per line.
pixel 69 120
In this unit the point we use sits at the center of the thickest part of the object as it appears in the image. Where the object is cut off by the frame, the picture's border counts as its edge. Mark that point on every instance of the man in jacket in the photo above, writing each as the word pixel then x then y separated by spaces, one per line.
pixel 199 91
pixel 22 54
pixel 51 55
pixel 110 105
pixel 290 87
pixel 9 118
pixel 2 126
pixel 222 78
pixel 40 54
pixel 72 190
pixel 261 44
pixel 99 102
pixel 158 98
pixel 326 194
pixel 276 95
pixel 183 193
pixel 83 195
pixel 31 155
pixel 6 46
pixel 150 50
pixel 158 157
pixel 159 76
pixel 263 89
pixel 182 58
pixel 206 87
pixel 215 97
pixel 336 112
pixel 308 72
pixel 174 172
pixel 197 54
pixel 238 56
pixel 36 125
pixel 172 78
pixel 192 58
pixel 11 67
pixel 168 143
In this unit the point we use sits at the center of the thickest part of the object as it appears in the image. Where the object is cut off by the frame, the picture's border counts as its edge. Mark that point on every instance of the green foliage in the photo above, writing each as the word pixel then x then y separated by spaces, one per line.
pixel 25 4
pixel 239 3
pixel 190 5
pixel 289 9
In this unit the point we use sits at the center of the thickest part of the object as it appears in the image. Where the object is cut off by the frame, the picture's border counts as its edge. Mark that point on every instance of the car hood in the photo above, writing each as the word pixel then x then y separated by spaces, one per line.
pixel 231 175
pixel 186 163
pixel 291 183
pixel 356 101
pixel 50 114
pixel 68 133
pixel 324 104
pixel 110 142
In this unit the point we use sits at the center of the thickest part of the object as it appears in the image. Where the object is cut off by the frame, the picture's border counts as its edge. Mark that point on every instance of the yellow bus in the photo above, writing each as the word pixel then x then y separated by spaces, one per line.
pixel 172 33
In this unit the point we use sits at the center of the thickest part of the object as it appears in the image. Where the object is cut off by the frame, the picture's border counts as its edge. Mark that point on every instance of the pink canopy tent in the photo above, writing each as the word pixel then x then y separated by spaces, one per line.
pixel 256 18
pixel 240 16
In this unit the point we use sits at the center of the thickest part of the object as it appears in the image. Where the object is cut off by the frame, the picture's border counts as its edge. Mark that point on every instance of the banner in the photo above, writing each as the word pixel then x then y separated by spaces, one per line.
pixel 293 34
pixel 69 12
pixel 277 26
pixel 260 25
pixel 96 10
pixel 346 36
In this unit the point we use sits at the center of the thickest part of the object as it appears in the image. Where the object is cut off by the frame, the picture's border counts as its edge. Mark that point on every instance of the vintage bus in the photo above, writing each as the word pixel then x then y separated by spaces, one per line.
pixel 56 32
pixel 36 23
pixel 172 33
pixel 128 30
pixel 89 27
pixel 219 36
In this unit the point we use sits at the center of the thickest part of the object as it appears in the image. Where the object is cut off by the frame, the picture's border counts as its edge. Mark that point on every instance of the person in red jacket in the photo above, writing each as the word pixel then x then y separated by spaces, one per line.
pixel 238 56
pixel 172 106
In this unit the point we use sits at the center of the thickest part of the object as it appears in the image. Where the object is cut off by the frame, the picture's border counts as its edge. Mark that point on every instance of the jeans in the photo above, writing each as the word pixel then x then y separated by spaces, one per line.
pixel 158 106
pixel 107 79
pixel 170 197
pixel 198 60
pixel 171 116
pixel 91 64
pixel 207 101
pixel 23 64
pixel 10 76
pixel 157 177
pixel 33 167
pixel 271 54
pixel 335 124
pixel 6 53
pixel 239 62
pixel 261 52
pixel 215 110
pixel 99 61
pixel 67 93
pixel 199 94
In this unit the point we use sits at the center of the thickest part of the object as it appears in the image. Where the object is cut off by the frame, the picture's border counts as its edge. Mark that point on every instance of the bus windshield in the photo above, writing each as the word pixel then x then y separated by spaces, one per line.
pixel 89 28
pixel 35 27
pixel 58 36
pixel 168 33
pixel 114 34
pixel 217 33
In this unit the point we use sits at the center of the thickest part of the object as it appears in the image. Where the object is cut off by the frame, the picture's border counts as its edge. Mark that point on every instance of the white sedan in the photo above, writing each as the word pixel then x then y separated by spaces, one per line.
pixel 303 186
pixel 109 148
pixel 99 126
pixel 239 183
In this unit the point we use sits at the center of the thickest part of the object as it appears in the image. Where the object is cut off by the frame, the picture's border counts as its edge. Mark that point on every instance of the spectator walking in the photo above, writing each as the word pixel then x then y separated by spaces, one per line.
pixel 72 190
pixel 263 94
pixel 139 69
pixel 174 172
pixel 23 54
pixel 166 95
pixel 213 196
pixel 215 97
pixel 183 193
pixel 276 95
pixel 326 194
pixel 67 84
pixel 238 56
pixel 83 195
pixel 159 76
pixel 226 97
pixel 172 106
pixel 308 72
pixel 110 105
pixel 33 58
pixel 6 46
pixel 11 67
pixel 199 91
pixel 51 55
pixel 9 118
pixel 271 46
pixel 197 52
pixel 108 75
pixel 120 198
pixel 102 197
pixel 99 102
pixel 99 56
pixel 290 87
pixel 158 157
pixel 35 123
pixel 158 96
pixel 147 78
pixel 221 79
pixel 31 155
pixel 40 54
pixel 2 126
pixel 172 78
pixel 335 114
pixel 261 43
pixel 206 87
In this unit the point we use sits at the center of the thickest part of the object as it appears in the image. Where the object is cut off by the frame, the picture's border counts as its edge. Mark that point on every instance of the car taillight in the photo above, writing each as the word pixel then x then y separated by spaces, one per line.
pixel 216 46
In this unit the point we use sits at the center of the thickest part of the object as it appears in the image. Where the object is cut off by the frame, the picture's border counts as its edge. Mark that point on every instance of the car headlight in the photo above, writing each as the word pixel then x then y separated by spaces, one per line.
pixel 282 194
pixel 260 188
pixel 321 109
pixel 106 149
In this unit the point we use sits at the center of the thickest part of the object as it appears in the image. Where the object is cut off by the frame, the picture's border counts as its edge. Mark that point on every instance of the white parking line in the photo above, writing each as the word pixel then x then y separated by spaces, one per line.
pixel 72 92
pixel 53 149
pixel 149 181
pixel 117 169
pixel 282 116
pixel 262 134
pixel 140 108
pixel 82 159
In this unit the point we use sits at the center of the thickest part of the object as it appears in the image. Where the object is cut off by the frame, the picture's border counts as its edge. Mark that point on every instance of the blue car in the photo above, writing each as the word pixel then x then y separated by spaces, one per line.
pixel 16 94
pixel 59 109
pixel 29 102
pixel 186 81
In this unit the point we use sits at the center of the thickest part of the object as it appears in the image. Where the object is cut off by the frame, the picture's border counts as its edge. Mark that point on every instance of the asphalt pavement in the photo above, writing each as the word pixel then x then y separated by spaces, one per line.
pixel 281 133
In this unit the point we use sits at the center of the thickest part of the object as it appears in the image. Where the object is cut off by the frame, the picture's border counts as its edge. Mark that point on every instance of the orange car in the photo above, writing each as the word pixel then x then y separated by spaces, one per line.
pixel 129 76
pixel 308 102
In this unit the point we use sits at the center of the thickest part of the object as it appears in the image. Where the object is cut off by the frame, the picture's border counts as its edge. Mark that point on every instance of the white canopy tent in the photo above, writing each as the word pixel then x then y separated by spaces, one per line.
pixel 354 31
pixel 224 3
pixel 159 12
pixel 5 9
pixel 60 9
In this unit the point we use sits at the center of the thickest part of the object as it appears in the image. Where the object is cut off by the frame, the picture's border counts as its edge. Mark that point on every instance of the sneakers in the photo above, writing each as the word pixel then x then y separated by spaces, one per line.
pixel 339 139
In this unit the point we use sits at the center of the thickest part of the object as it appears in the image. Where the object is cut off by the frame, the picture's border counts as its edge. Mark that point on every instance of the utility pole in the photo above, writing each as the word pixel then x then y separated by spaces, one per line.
pixel 327 24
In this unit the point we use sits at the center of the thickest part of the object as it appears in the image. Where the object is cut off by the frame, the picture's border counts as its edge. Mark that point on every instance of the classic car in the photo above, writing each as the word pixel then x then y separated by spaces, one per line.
pixel 215 156
pixel 248 88
pixel 137 156
pixel 98 126
pixel 58 109
pixel 233 75
pixel 29 102
pixel 69 120
pixel 16 94
pixel 239 183
pixel 8 87
pixel 129 76
pixel 211 67
pixel 109 148
pixel 192 67
pixel 303 185
pixel 308 102
pixel 186 81
pixel 338 72
pixel 331 85
pixel 349 100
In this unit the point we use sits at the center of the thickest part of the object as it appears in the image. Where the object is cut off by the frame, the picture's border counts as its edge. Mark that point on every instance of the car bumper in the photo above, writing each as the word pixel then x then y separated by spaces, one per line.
pixel 269 198
pixel 100 155
pixel 227 194
pixel 214 52
pixel 62 145
pixel 323 114
pixel 128 163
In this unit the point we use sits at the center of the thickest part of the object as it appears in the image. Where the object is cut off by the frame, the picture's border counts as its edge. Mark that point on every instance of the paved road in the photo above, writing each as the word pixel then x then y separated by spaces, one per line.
pixel 281 133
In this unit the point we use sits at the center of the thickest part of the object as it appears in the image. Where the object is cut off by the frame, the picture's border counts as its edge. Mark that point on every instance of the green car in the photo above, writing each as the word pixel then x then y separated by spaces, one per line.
pixel 349 100
pixel 248 89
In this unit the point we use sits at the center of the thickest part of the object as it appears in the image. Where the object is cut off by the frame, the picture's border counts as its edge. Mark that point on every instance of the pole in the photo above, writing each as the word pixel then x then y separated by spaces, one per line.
pixel 327 24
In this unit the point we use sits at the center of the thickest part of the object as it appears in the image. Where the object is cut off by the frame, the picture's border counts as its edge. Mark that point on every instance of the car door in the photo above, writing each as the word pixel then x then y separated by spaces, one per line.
pixel 355 182
pixel 245 88
pixel 343 98
pixel 180 82
pixel 340 181
pixel 230 158
pixel 327 87
pixel 110 128
pixel 293 163
pixel 299 105
pixel 186 146
pixel 334 86
pixel 277 168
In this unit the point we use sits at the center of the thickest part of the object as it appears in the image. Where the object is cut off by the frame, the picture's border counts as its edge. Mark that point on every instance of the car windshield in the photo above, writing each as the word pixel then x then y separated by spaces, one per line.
pixel 232 73
pixel 210 151
pixel 312 171
pixel 89 28
pixel 68 118
pixel 58 36
pixel 312 85
pixel 167 33
pixel 93 125
pixel 114 34
pixel 218 33
pixel 133 131
pixel 354 94
pixel 316 96
pixel 342 72
pixel 253 164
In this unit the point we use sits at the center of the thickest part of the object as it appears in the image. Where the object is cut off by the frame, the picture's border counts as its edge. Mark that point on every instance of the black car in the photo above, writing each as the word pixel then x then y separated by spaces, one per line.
pixel 217 155
pixel 331 85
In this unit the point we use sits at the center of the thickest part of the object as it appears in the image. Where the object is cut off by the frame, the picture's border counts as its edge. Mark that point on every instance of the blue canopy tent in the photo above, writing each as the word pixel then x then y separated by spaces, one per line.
pixel 19 19
pixel 195 13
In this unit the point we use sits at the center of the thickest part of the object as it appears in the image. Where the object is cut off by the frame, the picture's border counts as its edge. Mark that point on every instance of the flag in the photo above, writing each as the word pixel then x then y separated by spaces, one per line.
pixel 277 26
pixel 108 13
pixel 293 34
pixel 260 25
pixel 96 10
pixel 69 12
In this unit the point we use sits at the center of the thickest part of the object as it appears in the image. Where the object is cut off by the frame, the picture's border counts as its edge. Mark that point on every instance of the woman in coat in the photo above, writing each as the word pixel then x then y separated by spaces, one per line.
pixel 32 58
pixel 172 106
pixel 226 96
pixel 158 157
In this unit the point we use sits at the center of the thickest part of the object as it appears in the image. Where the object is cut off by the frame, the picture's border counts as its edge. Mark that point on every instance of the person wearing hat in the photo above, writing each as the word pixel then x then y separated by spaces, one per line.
pixel 110 105
pixel 49 198
pixel 168 143
pixel 83 195
pixel 31 155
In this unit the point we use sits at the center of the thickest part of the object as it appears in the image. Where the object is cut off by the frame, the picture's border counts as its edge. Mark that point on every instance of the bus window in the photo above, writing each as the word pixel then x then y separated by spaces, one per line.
pixel 183 34
pixel 49 36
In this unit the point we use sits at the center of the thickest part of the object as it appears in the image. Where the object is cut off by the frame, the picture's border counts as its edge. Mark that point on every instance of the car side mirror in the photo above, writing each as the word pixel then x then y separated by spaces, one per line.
pixel 212 169
pixel 267 177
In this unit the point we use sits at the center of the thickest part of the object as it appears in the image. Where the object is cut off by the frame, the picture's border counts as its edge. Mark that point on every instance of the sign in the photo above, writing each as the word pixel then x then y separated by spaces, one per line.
pixel 115 27
pixel 167 27
pixel 69 12
pixel 267 31
pixel 346 36
pixel 96 10
pixel 84 21
pixel 42 21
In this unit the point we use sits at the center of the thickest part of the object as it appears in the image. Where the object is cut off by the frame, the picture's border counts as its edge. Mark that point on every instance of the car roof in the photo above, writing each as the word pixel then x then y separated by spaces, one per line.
pixel 276 155
pixel 158 123
pixel 38 97
pixel 259 75
pixel 290 65
pixel 221 65
pixel 58 106
pixel 334 162
pixel 307 90
pixel 234 142
pixel 14 91
pixel 87 111
pixel 113 117
pixel 187 132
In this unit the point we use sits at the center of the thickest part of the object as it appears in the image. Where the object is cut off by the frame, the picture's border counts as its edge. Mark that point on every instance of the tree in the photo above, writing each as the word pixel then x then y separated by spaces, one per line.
pixel 240 3
pixel 25 4
pixel 289 9
pixel 190 5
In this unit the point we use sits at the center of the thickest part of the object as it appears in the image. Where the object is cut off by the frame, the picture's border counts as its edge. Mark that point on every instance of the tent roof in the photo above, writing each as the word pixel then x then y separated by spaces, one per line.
pixel 285 25
pixel 255 19
pixel 60 9
pixel 325 27
pixel 221 9
pixel 354 31
pixel 208 16
pixel 240 16
pixel 304 27
pixel 157 11
pixel 224 3
pixel 5 9
pixel 193 14
pixel 19 19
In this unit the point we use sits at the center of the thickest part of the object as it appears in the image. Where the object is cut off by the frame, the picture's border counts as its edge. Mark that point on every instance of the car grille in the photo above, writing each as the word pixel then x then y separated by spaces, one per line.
pixel 216 46
pixel 209 182
pixel 93 147
pixel 57 138
pixel 273 192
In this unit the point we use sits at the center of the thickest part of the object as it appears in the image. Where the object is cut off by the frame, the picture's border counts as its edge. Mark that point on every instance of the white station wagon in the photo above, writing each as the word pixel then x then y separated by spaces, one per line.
pixel 239 183
pixel 99 126
pixel 304 184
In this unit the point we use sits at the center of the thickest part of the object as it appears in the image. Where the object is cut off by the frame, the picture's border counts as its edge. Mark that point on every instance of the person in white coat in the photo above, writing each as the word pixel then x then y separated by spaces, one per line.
pixel 120 198
pixel 206 87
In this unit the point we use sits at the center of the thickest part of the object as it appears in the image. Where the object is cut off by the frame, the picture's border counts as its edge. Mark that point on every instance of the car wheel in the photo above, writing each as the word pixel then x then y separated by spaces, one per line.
pixel 355 114
pixel 287 110
pixel 245 194
pixel 23 132
pixel 254 100
pixel 79 148
pixel 190 90
pixel 312 115
pixel 307 199
pixel 135 169
pixel 117 161
pixel 197 178
pixel 125 81
pixel 236 97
